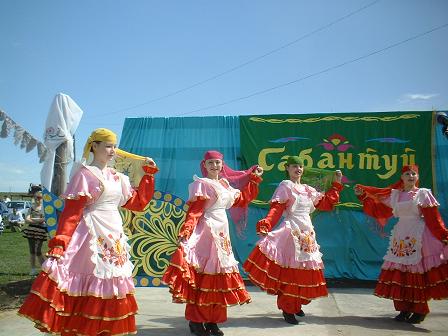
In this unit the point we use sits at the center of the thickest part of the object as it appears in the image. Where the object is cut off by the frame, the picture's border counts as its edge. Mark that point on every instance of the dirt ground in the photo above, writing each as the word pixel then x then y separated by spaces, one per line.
pixel 13 294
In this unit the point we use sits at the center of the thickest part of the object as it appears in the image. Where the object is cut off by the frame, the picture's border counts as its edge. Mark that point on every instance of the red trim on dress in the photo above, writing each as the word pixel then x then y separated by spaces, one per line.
pixel 224 289
pixel 54 311
pixel 305 284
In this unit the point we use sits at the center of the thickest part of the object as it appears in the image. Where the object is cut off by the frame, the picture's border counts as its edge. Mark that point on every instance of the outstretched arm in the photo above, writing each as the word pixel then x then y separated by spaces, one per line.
pixel 249 192
pixel 373 207
pixel 143 194
pixel 330 198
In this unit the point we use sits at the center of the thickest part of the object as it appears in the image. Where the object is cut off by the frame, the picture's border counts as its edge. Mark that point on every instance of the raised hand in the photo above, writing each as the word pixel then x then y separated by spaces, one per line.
pixel 150 162
pixel 338 176
pixel 358 191
pixel 258 171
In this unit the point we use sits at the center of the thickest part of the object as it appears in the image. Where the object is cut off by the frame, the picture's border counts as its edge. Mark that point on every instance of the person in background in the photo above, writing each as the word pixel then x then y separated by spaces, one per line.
pixel 3 208
pixel 15 221
pixel 3 213
pixel 2 226
pixel 35 232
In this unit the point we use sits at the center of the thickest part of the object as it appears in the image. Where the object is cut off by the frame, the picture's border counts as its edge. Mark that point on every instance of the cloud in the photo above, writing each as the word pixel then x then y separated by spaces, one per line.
pixel 16 178
pixel 420 96
pixel 11 170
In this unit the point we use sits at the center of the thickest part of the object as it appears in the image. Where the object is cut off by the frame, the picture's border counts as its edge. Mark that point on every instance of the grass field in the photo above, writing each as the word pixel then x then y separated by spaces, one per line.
pixel 14 257
pixel 15 281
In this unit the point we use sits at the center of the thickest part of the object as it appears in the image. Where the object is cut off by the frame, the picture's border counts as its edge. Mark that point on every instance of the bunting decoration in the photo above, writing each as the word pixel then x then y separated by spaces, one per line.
pixel 22 137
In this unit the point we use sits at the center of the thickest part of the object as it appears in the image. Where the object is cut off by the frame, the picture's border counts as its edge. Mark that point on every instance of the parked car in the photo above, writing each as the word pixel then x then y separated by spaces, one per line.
pixel 21 206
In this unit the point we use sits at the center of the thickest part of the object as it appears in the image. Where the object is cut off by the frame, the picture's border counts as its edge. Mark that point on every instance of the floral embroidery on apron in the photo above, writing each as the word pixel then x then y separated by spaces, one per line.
pixel 216 219
pixel 297 219
pixel 108 242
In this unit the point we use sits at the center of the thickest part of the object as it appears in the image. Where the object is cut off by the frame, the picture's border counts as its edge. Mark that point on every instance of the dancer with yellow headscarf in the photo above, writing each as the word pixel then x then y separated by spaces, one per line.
pixel 86 284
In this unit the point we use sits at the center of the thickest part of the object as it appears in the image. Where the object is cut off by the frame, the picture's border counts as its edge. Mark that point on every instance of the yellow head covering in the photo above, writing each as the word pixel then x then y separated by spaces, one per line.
pixel 100 134
pixel 106 135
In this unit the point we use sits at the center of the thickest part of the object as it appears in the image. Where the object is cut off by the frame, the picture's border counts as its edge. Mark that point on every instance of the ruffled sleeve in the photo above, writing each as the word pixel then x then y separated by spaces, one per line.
pixel 282 194
pixel 315 195
pixel 199 190
pixel 431 215
pixel 83 183
pixel 126 188
pixel 425 198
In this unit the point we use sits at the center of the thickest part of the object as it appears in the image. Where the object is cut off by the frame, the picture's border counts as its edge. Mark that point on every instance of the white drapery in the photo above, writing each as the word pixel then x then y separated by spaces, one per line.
pixel 62 121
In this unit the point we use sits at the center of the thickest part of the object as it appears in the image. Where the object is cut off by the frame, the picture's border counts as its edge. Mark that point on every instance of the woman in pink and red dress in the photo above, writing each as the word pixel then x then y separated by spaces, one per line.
pixel 86 285
pixel 415 267
pixel 203 272
pixel 287 262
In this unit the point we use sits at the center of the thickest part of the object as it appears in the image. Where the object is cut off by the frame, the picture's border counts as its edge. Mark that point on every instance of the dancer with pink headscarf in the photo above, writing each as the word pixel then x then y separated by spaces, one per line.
pixel 203 272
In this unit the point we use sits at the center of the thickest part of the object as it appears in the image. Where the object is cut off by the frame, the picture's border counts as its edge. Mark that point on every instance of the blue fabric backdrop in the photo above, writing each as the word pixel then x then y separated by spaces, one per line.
pixel 349 241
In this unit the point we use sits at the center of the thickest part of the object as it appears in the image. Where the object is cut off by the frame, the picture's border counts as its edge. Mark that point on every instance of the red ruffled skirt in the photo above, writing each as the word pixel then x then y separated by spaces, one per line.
pixel 275 279
pixel 396 284
pixel 419 283
pixel 57 312
pixel 187 285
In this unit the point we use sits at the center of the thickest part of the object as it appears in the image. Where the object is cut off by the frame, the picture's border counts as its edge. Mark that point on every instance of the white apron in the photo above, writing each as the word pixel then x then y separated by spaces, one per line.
pixel 405 244
pixel 298 220
pixel 110 249
pixel 215 218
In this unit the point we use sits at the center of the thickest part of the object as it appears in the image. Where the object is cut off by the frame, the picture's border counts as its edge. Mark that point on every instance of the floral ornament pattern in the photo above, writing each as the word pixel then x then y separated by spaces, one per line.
pixel 115 254
pixel 336 142
pixel 153 233
pixel 403 247
pixel 225 244
pixel 306 240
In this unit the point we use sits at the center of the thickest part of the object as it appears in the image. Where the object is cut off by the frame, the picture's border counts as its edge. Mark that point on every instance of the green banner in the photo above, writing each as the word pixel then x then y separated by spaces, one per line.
pixel 369 148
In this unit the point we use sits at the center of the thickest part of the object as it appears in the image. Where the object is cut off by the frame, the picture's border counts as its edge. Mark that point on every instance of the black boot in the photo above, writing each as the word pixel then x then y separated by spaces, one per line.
pixel 290 318
pixel 197 328
pixel 301 313
pixel 416 318
pixel 213 329
pixel 403 316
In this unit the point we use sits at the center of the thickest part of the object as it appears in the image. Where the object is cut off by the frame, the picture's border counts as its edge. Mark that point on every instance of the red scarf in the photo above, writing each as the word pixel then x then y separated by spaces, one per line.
pixel 379 210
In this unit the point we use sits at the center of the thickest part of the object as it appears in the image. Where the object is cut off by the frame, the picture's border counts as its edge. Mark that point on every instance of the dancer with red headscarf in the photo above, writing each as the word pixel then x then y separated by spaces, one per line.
pixel 415 267
pixel 203 272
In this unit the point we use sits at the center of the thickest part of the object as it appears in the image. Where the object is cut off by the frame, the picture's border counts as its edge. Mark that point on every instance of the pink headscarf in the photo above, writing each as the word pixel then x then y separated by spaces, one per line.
pixel 237 179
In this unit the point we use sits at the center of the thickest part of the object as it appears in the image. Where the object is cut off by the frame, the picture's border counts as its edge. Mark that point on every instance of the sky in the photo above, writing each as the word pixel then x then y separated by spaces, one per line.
pixel 142 58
